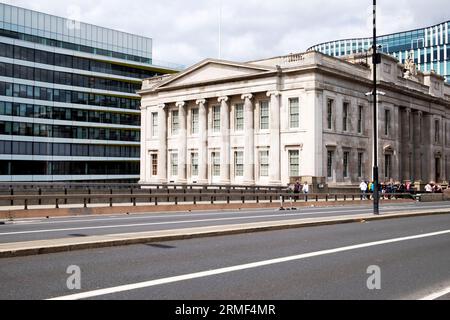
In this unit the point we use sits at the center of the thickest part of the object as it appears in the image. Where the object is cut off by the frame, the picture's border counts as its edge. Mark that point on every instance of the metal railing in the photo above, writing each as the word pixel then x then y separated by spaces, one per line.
pixel 150 197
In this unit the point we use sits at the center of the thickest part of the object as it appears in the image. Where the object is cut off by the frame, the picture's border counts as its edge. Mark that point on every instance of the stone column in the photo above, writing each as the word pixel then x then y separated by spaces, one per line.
pixel 203 146
pixel 182 142
pixel 145 161
pixel 225 135
pixel 416 145
pixel 275 147
pixel 162 153
pixel 249 140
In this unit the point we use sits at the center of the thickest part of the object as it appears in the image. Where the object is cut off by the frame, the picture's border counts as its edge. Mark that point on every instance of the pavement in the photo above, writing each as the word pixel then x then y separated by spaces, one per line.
pixel 324 262
pixel 81 241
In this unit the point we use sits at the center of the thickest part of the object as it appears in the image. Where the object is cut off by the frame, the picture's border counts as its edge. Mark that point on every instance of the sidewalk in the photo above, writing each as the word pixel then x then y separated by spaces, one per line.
pixel 91 242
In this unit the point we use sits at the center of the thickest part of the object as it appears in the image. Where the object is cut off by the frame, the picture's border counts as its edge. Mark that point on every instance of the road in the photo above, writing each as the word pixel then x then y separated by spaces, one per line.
pixel 58 228
pixel 327 262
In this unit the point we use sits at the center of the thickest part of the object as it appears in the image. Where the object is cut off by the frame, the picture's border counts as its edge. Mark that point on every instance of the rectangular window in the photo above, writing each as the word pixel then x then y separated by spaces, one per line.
pixel 294 114
pixel 194 121
pixel 154 124
pixel 360 119
pixel 387 121
pixel 215 162
pixel 360 164
pixel 330 164
pixel 264 163
pixel 154 164
pixel 264 115
pixel 294 163
pixel 345 160
pixel 216 119
pixel 330 114
pixel 387 166
pixel 345 116
pixel 175 123
pixel 194 164
pixel 174 164
pixel 239 164
pixel 436 131
pixel 239 117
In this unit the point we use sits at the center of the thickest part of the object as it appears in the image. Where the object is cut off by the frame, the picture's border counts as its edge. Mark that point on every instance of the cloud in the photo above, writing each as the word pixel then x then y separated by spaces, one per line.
pixel 188 31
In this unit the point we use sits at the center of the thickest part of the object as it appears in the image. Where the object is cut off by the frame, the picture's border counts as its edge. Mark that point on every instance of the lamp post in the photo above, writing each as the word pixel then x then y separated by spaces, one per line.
pixel 375 61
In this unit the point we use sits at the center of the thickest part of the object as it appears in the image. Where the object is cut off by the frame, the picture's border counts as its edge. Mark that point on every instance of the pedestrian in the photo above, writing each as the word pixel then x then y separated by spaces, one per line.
pixel 363 188
pixel 305 188
pixel 297 187
pixel 428 188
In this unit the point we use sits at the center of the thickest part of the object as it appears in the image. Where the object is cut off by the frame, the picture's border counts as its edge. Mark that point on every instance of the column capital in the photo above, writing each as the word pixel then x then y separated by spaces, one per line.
pixel 273 93
pixel 246 96
pixel 200 101
pixel 223 99
pixel 180 104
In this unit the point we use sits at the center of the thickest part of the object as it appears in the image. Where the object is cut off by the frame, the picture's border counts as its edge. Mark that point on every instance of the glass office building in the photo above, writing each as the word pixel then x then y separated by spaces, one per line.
pixel 430 45
pixel 68 104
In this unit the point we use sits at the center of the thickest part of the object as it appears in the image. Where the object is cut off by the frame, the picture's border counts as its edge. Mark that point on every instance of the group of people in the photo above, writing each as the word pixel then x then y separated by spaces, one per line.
pixel 300 188
pixel 397 187
pixel 433 187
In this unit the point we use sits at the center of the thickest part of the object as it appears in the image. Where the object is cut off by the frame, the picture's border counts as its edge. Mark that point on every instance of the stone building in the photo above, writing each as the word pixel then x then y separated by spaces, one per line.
pixel 270 121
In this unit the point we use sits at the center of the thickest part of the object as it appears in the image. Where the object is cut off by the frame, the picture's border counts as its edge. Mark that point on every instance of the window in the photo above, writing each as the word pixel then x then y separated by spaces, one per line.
pixel 215 162
pixel 330 155
pixel 216 119
pixel 239 117
pixel 345 160
pixel 330 114
pixel 174 164
pixel 175 123
pixel 264 163
pixel 154 164
pixel 154 124
pixel 194 164
pixel 360 164
pixel 264 115
pixel 294 163
pixel 194 121
pixel 436 131
pixel 239 164
pixel 345 116
pixel 294 116
pixel 387 166
pixel 387 121
pixel 360 119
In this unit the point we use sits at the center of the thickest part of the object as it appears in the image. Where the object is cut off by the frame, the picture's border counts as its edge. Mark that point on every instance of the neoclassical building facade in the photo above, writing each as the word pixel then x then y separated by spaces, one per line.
pixel 271 121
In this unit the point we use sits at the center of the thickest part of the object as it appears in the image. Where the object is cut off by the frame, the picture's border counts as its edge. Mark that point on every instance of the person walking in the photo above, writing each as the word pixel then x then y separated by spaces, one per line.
pixel 363 188
pixel 305 188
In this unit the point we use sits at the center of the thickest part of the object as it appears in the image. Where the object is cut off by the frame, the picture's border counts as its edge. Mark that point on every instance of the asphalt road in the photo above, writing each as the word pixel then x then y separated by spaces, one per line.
pixel 59 228
pixel 413 255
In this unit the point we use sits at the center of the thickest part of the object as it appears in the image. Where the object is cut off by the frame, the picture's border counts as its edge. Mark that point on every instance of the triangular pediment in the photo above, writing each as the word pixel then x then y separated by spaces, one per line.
pixel 211 70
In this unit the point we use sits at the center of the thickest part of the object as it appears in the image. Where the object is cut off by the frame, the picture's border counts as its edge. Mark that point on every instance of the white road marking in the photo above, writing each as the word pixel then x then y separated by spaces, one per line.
pixel 437 295
pixel 282 214
pixel 151 283
pixel 156 216
pixel 164 223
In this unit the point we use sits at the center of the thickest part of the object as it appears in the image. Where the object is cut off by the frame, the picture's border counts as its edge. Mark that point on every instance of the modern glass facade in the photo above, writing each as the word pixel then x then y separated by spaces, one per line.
pixel 68 104
pixel 430 45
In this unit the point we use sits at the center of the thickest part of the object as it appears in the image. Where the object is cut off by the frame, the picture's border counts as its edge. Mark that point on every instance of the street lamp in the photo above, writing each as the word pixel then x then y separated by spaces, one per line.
pixel 375 60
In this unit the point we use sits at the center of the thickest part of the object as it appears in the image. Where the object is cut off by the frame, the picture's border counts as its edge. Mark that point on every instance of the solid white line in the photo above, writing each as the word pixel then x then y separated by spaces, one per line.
pixel 151 283
pixel 160 223
pixel 437 295
pixel 282 214
pixel 156 216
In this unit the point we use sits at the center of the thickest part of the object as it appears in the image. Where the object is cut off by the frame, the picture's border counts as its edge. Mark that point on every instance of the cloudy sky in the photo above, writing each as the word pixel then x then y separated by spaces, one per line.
pixel 187 31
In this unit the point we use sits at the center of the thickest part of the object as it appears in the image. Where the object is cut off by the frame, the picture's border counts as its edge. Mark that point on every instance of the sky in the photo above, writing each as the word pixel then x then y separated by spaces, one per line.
pixel 187 31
